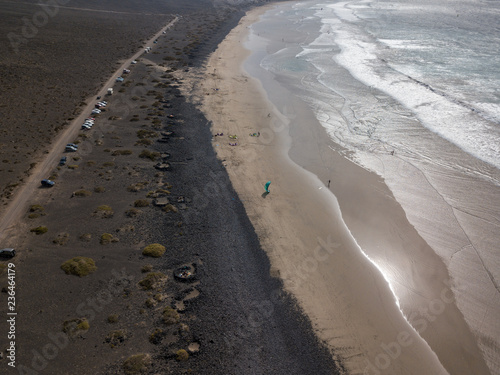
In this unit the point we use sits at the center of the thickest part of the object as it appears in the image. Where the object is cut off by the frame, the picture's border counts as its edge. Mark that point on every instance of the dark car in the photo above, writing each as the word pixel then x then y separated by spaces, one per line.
pixel 47 183
pixel 63 160
pixel 7 253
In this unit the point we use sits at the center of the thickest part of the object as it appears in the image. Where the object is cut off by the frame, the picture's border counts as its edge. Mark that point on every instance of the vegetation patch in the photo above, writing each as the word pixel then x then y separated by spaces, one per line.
pixel 152 280
pixel 170 316
pixel 147 268
pixel 99 189
pixel 61 239
pixel 82 193
pixel 86 237
pixel 107 238
pixel 144 142
pixel 133 212
pixel 154 250
pixel 121 152
pixel 113 318
pixel 36 208
pixel 156 337
pixel 181 355
pixel 108 164
pixel 170 208
pixel 75 327
pixel 141 203
pixel 79 266
pixel 104 211
pixel 73 166
pixel 143 133
pixel 137 186
pixel 39 230
pixel 152 155
pixel 115 338
pixel 137 364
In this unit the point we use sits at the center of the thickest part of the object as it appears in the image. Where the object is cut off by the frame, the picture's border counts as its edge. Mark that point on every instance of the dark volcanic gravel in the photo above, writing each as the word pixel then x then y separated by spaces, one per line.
pixel 245 323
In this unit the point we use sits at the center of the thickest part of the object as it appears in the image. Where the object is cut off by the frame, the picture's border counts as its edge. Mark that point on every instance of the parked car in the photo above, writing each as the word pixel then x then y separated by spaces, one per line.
pixel 63 160
pixel 72 145
pixel 70 149
pixel 7 253
pixel 90 119
pixel 96 111
pixel 101 104
pixel 47 183
pixel 86 127
pixel 120 79
pixel 134 62
pixel 126 71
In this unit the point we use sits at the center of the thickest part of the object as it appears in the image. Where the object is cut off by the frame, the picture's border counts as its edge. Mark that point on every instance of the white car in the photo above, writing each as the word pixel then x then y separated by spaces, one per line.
pixel 102 104
pixel 120 79
pixel 96 111
pixel 134 62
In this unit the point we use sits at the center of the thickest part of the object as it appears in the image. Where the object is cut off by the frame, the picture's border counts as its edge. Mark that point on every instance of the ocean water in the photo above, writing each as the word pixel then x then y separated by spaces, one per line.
pixel 410 90
pixel 438 60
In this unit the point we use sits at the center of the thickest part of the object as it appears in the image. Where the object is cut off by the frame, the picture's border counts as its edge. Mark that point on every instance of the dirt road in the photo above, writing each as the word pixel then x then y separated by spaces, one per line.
pixel 18 205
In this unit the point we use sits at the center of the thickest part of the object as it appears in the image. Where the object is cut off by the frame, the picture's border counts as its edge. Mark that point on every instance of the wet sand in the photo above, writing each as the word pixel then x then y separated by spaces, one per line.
pixel 300 226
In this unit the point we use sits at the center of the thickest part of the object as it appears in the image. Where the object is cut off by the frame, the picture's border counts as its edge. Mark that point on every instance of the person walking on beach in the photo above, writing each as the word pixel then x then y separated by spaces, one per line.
pixel 329 184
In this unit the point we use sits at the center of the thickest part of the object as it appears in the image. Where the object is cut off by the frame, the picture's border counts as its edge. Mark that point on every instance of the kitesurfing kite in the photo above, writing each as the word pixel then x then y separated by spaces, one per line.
pixel 267 186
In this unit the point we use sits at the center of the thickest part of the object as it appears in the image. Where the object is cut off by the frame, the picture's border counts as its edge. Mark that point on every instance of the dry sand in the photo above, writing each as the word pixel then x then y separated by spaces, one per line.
pixel 300 226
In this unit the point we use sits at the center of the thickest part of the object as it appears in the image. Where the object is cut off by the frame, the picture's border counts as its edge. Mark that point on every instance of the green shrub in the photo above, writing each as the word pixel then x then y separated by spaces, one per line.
pixel 36 208
pixel 143 133
pixel 104 211
pixel 170 316
pixel 121 152
pixel 107 238
pixel 137 364
pixel 170 208
pixel 151 280
pixel 61 239
pixel 156 336
pixel 82 193
pixel 137 187
pixel 141 203
pixel 146 154
pixel 115 338
pixel 99 189
pixel 154 250
pixel 147 268
pixel 144 142
pixel 182 355
pixel 113 318
pixel 39 230
pixel 133 212
pixel 73 166
pixel 75 326
pixel 86 237
pixel 108 164
pixel 79 266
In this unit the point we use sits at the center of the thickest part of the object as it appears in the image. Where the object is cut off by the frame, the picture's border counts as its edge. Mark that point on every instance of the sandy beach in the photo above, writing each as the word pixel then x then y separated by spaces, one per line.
pixel 301 228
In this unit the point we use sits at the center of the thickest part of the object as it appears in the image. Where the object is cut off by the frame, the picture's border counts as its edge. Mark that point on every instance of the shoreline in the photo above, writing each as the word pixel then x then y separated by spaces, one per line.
pixel 297 216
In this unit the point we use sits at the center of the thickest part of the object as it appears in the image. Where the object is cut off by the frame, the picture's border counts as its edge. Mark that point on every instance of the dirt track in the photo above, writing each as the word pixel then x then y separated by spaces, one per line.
pixel 19 203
